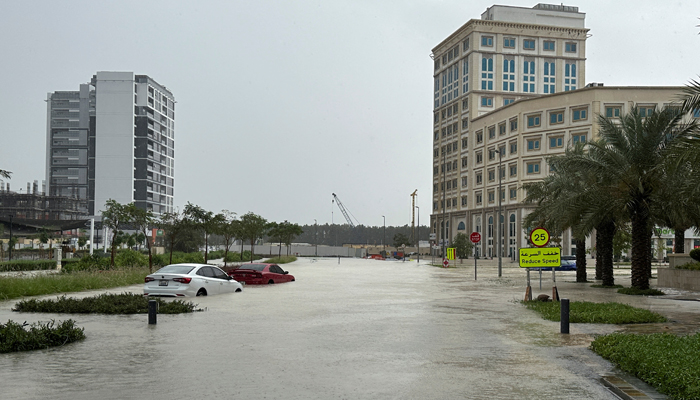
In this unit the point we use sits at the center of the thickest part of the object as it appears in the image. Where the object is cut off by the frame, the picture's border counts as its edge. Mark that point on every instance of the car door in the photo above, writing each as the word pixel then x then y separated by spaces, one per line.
pixel 222 281
pixel 278 274
pixel 209 283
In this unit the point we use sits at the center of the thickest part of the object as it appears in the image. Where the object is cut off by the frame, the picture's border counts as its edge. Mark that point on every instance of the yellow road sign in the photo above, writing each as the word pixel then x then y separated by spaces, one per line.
pixel 539 237
pixel 540 257
pixel 451 253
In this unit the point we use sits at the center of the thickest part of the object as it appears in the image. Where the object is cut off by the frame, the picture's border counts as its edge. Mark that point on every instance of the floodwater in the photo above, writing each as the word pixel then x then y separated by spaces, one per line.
pixel 358 329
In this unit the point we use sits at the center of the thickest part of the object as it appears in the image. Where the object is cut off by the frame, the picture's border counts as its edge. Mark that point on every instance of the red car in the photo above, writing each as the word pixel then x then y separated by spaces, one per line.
pixel 259 274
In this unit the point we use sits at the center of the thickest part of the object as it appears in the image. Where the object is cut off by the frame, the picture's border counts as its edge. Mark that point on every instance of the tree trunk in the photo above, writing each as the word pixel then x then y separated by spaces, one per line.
pixel 679 240
pixel 598 258
pixel 581 275
pixel 279 253
pixel 252 248
pixel 606 233
pixel 228 243
pixel 206 247
pixel 641 256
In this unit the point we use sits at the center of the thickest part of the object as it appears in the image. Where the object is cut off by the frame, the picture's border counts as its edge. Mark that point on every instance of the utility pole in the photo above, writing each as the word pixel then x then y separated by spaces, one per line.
pixel 10 243
pixel 384 238
pixel 418 236
pixel 316 237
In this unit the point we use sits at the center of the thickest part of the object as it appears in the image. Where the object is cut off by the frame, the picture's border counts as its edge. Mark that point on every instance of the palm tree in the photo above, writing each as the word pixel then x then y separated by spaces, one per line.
pixel 5 174
pixel 629 163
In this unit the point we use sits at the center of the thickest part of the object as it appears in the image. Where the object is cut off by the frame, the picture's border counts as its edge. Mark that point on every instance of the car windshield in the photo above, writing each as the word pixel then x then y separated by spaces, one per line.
pixel 175 269
pixel 254 267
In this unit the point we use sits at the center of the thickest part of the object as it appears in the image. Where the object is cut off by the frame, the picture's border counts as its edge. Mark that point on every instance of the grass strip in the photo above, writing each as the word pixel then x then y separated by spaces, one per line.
pixel 42 335
pixel 108 303
pixel 668 362
pixel 607 287
pixel 15 287
pixel 281 260
pixel 595 313
pixel 640 292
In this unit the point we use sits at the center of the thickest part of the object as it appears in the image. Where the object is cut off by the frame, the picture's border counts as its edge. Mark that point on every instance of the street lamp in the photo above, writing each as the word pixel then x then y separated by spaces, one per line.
pixel 10 243
pixel 316 236
pixel 418 236
pixel 384 238
pixel 498 220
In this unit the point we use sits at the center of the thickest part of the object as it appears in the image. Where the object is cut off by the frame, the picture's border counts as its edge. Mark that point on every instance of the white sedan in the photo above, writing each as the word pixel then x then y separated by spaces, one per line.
pixel 187 280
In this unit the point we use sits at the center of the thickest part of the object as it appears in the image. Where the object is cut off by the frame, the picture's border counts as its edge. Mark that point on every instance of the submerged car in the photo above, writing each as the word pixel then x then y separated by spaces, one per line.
pixel 188 280
pixel 568 263
pixel 260 273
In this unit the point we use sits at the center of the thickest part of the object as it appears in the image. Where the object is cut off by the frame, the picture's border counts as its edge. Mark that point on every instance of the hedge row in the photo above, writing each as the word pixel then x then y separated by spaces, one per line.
pixel 27 265
pixel 15 337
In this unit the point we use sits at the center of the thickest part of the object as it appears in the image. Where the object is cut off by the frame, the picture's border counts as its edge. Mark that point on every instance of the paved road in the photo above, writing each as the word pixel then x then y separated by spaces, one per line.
pixel 361 329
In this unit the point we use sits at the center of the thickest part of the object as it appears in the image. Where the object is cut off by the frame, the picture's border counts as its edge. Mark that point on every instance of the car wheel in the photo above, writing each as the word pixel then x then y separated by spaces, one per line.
pixel 270 282
pixel 202 292
pixel 238 290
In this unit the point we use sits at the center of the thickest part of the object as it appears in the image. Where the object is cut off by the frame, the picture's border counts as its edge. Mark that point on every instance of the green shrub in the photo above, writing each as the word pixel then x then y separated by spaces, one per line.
pixel 695 254
pixel 282 260
pixel 130 258
pixel 693 266
pixel 125 303
pixel 668 362
pixel 87 263
pixel 607 287
pixel 215 254
pixel 27 265
pixel 595 313
pixel 14 337
pixel 638 292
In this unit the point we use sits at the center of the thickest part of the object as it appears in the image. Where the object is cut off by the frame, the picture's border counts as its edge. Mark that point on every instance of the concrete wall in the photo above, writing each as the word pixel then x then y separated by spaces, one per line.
pixel 303 251
pixel 678 278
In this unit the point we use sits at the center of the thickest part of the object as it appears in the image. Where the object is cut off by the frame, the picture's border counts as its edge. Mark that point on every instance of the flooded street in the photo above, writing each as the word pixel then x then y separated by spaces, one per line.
pixel 359 329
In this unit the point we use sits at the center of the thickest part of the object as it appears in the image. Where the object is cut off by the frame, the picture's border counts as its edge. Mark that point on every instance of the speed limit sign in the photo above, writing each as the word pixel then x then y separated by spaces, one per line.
pixel 539 237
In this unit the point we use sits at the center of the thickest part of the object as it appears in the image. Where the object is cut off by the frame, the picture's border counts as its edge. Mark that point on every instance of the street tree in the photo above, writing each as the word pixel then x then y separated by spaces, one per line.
pixel 115 217
pixel 463 246
pixel 400 240
pixel 143 221
pixel 253 227
pixel 202 220
pixel 173 224
pixel 229 229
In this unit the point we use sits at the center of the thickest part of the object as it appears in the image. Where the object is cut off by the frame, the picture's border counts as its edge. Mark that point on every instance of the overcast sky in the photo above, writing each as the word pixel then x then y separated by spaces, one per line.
pixel 281 103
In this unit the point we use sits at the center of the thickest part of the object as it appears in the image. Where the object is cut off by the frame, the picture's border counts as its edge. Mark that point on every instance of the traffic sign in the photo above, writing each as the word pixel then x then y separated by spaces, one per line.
pixel 445 262
pixel 475 237
pixel 540 257
pixel 539 237
pixel 451 253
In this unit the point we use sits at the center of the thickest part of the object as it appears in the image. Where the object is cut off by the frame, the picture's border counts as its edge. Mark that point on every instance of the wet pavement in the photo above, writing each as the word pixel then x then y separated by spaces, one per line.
pixel 358 329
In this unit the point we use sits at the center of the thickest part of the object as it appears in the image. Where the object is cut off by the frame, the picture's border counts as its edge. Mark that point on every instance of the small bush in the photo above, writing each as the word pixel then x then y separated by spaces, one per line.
pixel 695 254
pixel 595 313
pixel 125 303
pixel 282 260
pixel 87 263
pixel 130 258
pixel 27 265
pixel 638 292
pixel 668 362
pixel 215 254
pixel 693 266
pixel 14 337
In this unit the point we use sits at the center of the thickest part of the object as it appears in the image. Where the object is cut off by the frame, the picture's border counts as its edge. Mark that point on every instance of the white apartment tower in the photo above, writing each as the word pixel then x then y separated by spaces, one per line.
pixel 510 54
pixel 113 139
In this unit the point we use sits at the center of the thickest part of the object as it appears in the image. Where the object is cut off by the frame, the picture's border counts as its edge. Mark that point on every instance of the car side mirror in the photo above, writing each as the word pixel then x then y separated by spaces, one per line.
pixel 285 272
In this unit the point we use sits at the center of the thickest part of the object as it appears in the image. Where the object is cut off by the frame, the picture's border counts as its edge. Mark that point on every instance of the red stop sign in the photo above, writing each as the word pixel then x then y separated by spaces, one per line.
pixel 475 237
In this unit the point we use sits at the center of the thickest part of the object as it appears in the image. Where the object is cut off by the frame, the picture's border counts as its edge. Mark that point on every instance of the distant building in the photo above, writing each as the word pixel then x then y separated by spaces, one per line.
pixel 32 211
pixel 114 138
pixel 513 82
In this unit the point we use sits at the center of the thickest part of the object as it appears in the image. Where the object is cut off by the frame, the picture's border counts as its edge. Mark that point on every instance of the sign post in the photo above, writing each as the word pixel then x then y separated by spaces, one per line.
pixel 540 257
pixel 475 237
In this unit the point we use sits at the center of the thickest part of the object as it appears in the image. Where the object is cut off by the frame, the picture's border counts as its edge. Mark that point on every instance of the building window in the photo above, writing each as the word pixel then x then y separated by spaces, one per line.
pixel 465 45
pixel 570 47
pixel 613 111
pixel 513 170
pixel 492 196
pixel 570 76
pixel 479 137
pixel 533 144
pixel 580 138
pixel 645 111
pixel 465 104
pixel 464 162
pixel 502 129
pixel 492 175
pixel 556 142
pixel 549 72
pixel 479 157
pixel 486 101
pixel 465 80
pixel 492 132
pixel 465 124
pixel 529 77
pixel 492 154
pixel 533 121
pixel 436 153
pixel 529 44
pixel 464 203
pixel 464 181
pixel 513 194
pixel 548 45
pixel 435 170
pixel 487 73
pixel 487 41
pixel 533 168
pixel 556 117
pixel 508 100
pixel 513 147
pixel 513 125
pixel 580 114
pixel 509 75
pixel 465 143
pixel 509 42
pixel 478 198
pixel 449 185
pixel 479 178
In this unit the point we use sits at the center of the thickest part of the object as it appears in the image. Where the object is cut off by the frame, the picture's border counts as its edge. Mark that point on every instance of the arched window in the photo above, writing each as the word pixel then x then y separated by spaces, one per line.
pixel 461 226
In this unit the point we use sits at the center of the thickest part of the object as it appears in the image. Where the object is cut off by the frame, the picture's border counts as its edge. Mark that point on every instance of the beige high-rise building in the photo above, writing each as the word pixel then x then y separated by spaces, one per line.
pixel 514 82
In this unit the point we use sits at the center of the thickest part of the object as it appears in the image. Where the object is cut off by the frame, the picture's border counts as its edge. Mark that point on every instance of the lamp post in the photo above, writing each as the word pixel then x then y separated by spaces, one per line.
pixel 499 229
pixel 316 237
pixel 10 243
pixel 384 238
pixel 418 236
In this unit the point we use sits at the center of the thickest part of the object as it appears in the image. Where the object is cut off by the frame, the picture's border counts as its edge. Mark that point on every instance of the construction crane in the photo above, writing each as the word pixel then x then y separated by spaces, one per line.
pixel 413 215
pixel 345 212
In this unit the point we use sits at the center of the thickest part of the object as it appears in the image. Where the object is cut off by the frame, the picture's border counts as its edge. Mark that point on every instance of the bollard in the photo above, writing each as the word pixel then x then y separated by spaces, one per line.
pixel 152 311
pixel 564 315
